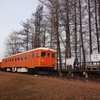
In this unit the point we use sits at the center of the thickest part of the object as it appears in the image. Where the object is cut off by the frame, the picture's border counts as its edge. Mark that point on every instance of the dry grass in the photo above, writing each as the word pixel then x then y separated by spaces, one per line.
pixel 15 86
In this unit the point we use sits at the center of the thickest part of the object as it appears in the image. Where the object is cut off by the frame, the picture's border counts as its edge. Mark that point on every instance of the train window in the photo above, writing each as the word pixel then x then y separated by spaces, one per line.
pixel 32 55
pixel 43 54
pixel 48 54
pixel 18 58
pixel 21 58
pixel 15 59
pixel 25 57
pixel 53 55
pixel 12 60
pixel 28 56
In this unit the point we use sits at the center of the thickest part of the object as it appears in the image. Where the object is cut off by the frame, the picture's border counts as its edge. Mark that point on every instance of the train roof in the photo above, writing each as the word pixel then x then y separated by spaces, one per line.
pixel 40 48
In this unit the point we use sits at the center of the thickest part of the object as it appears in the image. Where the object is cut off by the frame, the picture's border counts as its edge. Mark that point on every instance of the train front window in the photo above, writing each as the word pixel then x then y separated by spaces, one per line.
pixel 53 55
pixel 49 55
pixel 43 54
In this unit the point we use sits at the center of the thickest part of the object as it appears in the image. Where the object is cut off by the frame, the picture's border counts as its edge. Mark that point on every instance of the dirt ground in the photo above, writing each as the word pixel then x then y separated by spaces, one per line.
pixel 14 86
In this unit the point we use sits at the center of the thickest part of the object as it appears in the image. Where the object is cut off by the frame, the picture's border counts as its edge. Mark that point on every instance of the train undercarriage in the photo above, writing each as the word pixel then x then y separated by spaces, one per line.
pixel 36 70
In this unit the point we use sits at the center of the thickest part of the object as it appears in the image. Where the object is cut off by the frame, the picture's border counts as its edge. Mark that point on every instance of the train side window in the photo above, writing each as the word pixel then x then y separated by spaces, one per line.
pixel 18 58
pixel 25 57
pixel 21 58
pixel 28 56
pixel 32 55
pixel 49 55
pixel 53 55
pixel 15 59
pixel 43 54
pixel 12 60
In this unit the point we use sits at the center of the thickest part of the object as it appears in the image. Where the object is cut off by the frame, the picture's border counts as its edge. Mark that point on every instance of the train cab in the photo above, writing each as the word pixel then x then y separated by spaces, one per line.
pixel 47 59
pixel 44 59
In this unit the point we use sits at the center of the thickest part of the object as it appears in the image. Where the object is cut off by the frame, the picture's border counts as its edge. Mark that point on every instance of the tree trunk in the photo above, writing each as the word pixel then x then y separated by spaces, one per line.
pixel 81 36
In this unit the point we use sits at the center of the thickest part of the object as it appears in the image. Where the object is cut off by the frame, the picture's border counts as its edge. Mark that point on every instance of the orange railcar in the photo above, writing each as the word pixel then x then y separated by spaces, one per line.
pixel 31 61
pixel 0 65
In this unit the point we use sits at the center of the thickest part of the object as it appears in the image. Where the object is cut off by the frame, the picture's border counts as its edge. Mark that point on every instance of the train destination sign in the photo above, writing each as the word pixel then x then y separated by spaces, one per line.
pixel 70 61
pixel 95 57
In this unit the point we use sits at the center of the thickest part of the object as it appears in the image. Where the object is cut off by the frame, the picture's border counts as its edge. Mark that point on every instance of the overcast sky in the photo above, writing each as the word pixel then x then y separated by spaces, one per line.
pixel 12 12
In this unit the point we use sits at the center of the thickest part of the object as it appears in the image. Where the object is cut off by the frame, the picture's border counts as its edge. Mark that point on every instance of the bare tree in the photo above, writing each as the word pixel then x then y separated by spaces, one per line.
pixel 25 33
pixel 81 33
pixel 38 22
pixel 12 44
pixel 97 10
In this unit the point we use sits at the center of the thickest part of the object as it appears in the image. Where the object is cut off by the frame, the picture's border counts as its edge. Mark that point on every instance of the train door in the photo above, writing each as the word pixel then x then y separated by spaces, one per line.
pixel 37 59
pixel 45 58
pixel 33 60
pixel 48 59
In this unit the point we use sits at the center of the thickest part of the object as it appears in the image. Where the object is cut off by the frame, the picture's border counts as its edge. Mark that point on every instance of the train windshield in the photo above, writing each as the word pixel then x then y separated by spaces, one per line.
pixel 53 55
pixel 43 54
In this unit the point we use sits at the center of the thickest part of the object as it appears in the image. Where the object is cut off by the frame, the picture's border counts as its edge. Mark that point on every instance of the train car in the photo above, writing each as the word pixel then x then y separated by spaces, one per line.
pixel 33 61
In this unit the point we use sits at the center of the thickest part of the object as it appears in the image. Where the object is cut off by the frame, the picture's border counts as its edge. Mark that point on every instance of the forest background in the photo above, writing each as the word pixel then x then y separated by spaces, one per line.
pixel 71 27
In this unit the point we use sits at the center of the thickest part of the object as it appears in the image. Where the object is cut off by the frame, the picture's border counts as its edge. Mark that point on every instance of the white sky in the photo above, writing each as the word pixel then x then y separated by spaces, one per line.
pixel 12 12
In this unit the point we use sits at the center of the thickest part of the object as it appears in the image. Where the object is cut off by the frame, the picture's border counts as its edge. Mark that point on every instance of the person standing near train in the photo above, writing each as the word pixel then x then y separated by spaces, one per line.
pixel 76 64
